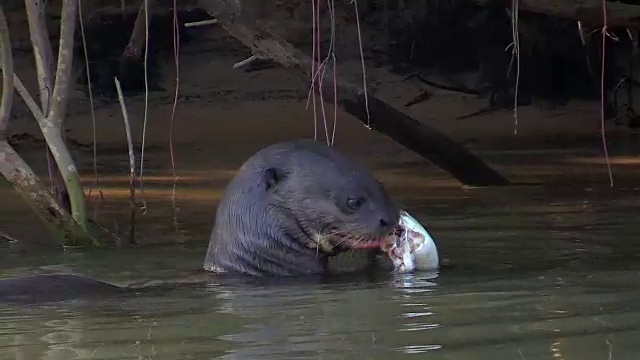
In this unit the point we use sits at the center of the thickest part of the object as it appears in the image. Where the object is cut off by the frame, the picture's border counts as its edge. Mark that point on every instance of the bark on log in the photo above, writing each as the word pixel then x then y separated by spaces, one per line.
pixel 446 153
pixel 59 222
pixel 41 50
pixel 590 11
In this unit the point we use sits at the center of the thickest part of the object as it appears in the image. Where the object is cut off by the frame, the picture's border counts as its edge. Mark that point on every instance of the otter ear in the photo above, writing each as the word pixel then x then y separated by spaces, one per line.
pixel 273 176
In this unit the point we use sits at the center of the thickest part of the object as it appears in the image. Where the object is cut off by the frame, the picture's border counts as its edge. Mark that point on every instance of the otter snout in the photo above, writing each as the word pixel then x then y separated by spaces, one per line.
pixel 389 218
pixel 386 223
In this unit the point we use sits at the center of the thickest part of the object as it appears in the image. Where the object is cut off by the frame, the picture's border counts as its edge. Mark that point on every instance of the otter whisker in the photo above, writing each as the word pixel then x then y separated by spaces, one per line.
pixel 343 239
pixel 352 239
pixel 333 232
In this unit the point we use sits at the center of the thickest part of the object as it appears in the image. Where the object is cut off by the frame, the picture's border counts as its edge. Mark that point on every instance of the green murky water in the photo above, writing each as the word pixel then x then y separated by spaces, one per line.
pixel 537 272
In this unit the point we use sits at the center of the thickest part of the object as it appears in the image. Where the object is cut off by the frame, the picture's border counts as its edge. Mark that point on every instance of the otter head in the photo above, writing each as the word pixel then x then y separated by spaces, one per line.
pixel 337 203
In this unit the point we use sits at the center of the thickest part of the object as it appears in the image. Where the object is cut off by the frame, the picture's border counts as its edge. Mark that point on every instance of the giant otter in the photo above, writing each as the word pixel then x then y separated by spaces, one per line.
pixel 294 204
pixel 289 207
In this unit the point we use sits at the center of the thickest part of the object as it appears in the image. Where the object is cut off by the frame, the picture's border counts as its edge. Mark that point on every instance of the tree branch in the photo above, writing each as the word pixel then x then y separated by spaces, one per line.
pixel 65 62
pixel 43 55
pixel 41 50
pixel 424 140
pixel 17 171
pixel 51 122
pixel 35 193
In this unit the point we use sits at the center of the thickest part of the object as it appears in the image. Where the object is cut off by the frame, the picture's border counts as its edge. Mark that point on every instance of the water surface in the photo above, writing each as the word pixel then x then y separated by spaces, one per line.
pixel 536 272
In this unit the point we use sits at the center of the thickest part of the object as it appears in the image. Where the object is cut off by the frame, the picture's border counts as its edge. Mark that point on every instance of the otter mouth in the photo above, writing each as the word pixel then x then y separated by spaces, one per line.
pixel 340 241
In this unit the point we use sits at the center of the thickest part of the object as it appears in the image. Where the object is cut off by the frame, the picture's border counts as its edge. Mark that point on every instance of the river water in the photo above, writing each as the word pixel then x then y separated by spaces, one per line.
pixel 533 272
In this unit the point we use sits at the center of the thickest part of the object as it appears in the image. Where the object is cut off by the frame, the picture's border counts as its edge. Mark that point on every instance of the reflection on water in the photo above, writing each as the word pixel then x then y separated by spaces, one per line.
pixel 561 315
pixel 534 273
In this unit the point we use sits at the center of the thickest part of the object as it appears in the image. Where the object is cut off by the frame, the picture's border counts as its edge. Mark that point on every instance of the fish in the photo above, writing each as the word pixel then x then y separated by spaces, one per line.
pixel 410 247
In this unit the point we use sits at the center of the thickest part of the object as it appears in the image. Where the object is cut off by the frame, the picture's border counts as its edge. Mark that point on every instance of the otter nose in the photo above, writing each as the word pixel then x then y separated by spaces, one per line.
pixel 384 223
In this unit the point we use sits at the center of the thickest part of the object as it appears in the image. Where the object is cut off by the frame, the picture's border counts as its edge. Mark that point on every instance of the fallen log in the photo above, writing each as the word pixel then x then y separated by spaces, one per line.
pixel 446 153
pixel 590 11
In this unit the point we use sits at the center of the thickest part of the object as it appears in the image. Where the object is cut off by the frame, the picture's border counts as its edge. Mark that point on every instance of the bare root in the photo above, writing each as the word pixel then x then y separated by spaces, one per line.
pixel 93 115
pixel 602 90
pixel 146 103
pixel 176 54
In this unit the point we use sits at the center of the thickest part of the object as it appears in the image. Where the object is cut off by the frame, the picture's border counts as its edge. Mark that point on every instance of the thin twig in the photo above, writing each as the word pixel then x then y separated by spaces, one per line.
pixel 332 12
pixel 602 89
pixel 28 99
pixel 322 70
pixel 318 69
pixel 318 51
pixel 201 23
pixel 132 163
pixel 516 52
pixel 315 48
pixel 146 103
pixel 176 54
pixel 8 238
pixel 93 115
pixel 245 62
pixel 364 71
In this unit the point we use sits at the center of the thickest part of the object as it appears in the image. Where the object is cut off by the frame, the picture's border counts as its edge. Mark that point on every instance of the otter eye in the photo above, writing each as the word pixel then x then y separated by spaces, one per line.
pixel 354 204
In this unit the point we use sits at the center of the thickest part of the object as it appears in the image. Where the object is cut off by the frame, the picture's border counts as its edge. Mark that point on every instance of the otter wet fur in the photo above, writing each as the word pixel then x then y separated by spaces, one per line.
pixel 291 206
